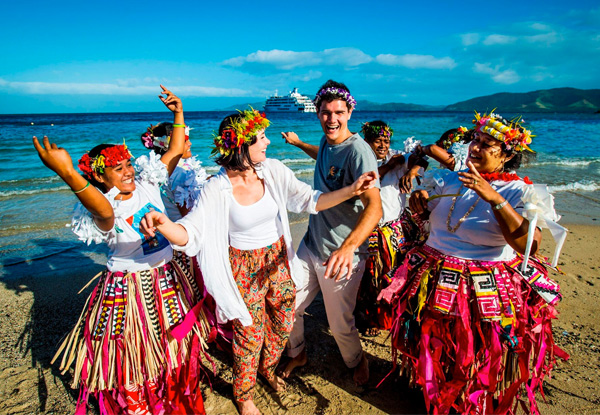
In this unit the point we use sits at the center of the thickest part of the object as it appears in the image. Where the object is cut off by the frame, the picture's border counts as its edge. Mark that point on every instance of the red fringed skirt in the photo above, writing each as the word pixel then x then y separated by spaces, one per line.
pixel 388 245
pixel 138 343
pixel 475 336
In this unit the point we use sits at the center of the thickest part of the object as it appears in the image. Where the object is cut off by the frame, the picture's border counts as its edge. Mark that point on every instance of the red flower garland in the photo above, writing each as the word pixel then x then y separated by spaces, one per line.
pixel 505 177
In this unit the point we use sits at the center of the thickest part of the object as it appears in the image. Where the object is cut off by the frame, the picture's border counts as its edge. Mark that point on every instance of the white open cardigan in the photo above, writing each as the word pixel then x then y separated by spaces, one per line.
pixel 207 226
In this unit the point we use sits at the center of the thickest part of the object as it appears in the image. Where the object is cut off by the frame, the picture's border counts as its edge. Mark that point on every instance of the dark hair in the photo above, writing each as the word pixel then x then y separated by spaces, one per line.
pixel 329 97
pixel 95 152
pixel 445 141
pixel 371 133
pixel 159 130
pixel 519 158
pixel 239 158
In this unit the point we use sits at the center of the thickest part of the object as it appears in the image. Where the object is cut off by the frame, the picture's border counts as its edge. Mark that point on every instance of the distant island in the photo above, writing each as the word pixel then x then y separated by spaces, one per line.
pixel 569 100
pixel 545 100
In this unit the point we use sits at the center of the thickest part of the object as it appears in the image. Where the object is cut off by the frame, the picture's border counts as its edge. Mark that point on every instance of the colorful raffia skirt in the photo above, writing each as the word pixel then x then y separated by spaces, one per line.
pixel 475 336
pixel 137 345
pixel 388 245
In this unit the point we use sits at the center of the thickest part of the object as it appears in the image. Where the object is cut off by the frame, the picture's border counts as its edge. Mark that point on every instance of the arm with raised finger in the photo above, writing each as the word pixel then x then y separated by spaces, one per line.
pixel 177 142
pixel 514 226
pixel 59 161
pixel 291 137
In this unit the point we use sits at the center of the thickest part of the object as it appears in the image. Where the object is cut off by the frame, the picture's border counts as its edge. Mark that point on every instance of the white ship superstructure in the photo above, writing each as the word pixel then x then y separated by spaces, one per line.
pixel 293 102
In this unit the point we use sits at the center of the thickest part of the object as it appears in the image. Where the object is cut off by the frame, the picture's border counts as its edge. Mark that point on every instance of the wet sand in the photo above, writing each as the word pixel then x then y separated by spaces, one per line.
pixel 39 304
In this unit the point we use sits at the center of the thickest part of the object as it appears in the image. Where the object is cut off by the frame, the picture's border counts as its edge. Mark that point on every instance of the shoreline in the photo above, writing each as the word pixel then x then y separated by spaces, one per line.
pixel 40 304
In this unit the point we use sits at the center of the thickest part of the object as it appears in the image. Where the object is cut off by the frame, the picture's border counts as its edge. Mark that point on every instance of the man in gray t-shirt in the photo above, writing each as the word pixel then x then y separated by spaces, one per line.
pixel 333 251
pixel 337 166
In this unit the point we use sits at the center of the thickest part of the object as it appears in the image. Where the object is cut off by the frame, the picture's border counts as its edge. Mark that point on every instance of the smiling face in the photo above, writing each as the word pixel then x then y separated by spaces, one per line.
pixel 258 150
pixel 485 152
pixel 187 150
pixel 381 146
pixel 120 176
pixel 334 117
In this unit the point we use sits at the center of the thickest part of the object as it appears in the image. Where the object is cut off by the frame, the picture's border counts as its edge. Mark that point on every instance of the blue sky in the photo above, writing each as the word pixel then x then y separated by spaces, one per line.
pixel 67 56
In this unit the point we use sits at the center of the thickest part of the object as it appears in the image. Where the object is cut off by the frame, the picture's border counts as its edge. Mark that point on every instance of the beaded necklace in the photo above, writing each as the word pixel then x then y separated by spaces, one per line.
pixel 454 228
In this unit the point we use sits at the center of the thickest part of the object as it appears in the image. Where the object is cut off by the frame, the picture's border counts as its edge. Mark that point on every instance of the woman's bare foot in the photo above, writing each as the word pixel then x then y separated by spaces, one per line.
pixel 361 372
pixel 248 407
pixel 277 383
pixel 297 361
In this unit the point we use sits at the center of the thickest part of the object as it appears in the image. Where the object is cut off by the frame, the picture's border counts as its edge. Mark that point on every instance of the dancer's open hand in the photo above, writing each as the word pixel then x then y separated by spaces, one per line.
pixel 473 180
pixel 151 221
pixel 171 101
pixel 364 182
pixel 55 158
pixel 418 201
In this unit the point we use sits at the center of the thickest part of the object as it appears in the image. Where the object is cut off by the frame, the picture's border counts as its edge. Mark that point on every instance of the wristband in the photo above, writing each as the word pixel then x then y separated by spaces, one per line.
pixel 500 205
pixel 179 125
pixel 81 190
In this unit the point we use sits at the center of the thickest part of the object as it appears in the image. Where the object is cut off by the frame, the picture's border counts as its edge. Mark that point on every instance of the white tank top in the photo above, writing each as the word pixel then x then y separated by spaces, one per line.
pixel 253 226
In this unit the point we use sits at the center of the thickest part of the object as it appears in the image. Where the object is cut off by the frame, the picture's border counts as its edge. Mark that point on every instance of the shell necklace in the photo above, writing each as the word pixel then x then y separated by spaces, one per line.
pixel 454 228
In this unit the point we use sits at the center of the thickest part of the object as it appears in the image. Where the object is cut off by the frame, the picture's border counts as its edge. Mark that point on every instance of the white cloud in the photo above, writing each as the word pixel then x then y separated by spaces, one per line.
pixel 119 88
pixel 506 77
pixel 287 59
pixel 496 39
pixel 416 61
pixel 469 39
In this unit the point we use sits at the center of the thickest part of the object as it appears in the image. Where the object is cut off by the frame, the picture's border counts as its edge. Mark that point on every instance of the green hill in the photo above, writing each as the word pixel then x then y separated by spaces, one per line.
pixel 545 100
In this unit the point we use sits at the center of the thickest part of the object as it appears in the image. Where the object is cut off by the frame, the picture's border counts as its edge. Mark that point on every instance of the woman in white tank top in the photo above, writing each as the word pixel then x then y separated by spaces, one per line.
pixel 240 231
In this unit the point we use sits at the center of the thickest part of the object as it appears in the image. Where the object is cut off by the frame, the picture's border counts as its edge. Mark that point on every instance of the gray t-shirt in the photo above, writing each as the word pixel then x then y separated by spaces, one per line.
pixel 338 166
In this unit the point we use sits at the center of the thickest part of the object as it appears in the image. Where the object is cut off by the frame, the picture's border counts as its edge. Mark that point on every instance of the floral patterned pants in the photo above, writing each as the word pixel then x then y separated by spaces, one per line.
pixel 263 278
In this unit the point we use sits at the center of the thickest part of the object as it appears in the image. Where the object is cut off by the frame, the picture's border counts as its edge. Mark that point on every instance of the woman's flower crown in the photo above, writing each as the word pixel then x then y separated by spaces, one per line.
pixel 511 133
pixel 454 137
pixel 339 92
pixel 161 143
pixel 109 157
pixel 370 131
pixel 239 132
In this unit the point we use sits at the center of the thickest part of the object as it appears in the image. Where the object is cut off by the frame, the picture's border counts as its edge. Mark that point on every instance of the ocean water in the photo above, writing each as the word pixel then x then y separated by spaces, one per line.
pixel 35 205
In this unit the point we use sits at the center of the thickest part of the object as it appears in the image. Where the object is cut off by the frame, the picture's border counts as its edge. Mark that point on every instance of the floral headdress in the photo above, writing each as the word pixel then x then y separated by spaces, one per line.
pixel 109 157
pixel 339 92
pixel 374 131
pixel 161 143
pixel 239 132
pixel 511 133
pixel 454 137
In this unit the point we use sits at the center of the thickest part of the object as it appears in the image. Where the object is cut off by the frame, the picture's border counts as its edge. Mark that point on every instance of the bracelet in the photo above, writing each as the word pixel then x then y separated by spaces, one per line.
pixel 500 205
pixel 81 190
pixel 179 125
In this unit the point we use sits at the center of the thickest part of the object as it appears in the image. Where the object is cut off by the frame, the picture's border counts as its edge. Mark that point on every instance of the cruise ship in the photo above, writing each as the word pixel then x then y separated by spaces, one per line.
pixel 293 102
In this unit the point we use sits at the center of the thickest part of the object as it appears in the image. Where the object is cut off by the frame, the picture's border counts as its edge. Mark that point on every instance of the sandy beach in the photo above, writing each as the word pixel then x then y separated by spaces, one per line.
pixel 39 302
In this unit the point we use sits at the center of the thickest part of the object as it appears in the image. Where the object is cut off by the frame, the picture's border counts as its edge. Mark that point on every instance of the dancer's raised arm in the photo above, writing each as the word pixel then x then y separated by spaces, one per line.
pixel 59 161
pixel 177 143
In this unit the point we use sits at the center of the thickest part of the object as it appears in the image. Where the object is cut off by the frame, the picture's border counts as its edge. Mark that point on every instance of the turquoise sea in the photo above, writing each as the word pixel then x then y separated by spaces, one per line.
pixel 35 205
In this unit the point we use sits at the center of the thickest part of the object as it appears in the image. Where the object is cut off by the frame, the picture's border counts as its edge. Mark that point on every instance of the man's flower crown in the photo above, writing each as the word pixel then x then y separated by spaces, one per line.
pixel 511 133
pixel 239 132
pixel 341 93
pixel 370 131
pixel 109 157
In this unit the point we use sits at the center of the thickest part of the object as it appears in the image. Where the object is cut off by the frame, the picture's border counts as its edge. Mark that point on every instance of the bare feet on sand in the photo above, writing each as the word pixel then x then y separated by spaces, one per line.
pixel 297 361
pixel 361 372
pixel 277 383
pixel 248 407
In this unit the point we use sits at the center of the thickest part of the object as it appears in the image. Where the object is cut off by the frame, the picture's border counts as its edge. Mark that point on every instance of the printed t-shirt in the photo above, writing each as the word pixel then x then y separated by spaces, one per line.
pixel 129 250
pixel 338 166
